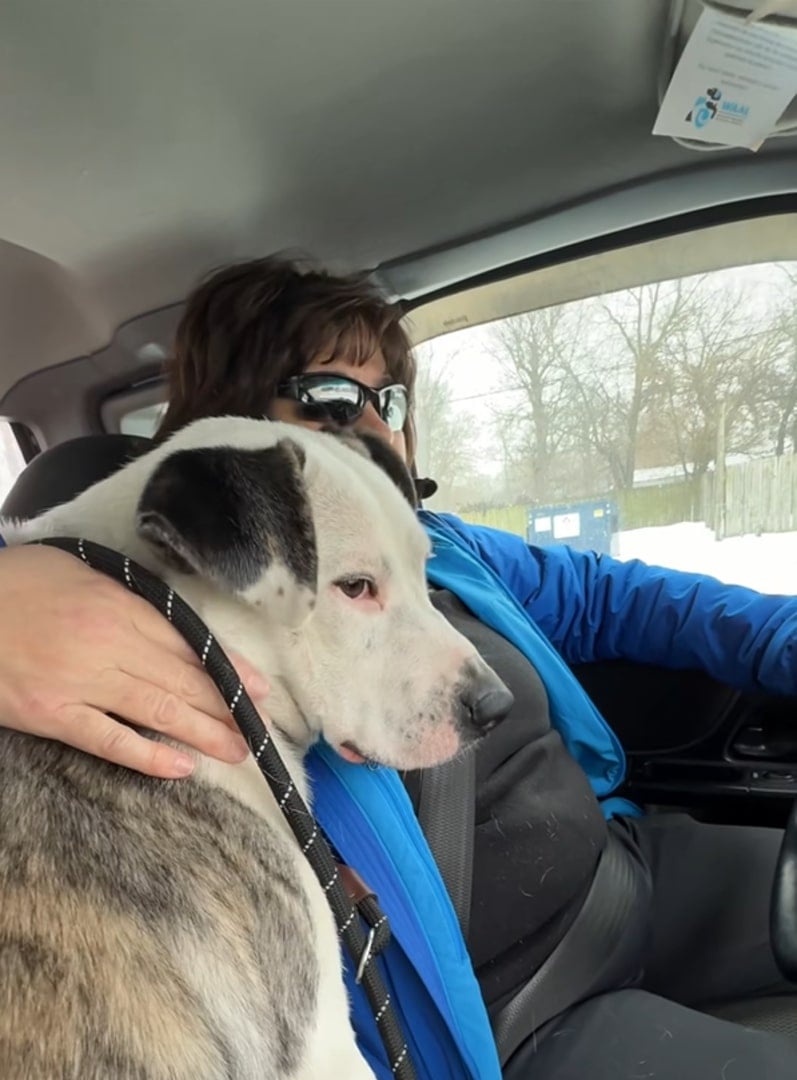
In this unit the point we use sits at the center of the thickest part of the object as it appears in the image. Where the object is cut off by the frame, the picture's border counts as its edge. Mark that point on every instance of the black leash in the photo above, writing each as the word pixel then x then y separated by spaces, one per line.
pixel 363 946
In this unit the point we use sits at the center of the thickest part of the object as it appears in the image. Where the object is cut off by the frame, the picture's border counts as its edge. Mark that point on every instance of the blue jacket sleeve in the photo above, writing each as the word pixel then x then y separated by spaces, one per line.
pixel 592 607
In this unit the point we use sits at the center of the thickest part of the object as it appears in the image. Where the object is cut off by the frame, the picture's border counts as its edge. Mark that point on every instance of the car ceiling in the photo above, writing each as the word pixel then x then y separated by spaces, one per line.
pixel 145 142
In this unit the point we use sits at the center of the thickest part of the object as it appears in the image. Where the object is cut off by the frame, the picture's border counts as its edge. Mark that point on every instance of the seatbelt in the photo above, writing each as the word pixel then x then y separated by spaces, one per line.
pixel 596 954
pixel 447 816
pixel 600 945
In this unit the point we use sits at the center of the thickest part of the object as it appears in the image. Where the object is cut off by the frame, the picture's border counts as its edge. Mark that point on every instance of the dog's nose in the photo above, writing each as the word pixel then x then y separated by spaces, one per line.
pixel 485 702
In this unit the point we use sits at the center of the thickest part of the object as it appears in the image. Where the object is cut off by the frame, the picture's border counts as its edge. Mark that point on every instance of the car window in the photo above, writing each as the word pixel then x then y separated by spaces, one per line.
pixel 142 421
pixel 655 422
pixel 11 460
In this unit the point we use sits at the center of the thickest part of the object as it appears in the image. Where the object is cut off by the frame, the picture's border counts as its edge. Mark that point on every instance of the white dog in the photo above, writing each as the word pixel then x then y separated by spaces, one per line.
pixel 172 929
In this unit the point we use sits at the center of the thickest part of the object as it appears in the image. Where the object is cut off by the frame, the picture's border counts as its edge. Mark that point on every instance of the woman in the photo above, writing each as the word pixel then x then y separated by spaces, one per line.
pixel 268 338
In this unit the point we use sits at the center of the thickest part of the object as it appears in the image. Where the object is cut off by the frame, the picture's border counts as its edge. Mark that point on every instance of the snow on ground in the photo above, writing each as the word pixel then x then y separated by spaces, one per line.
pixel 767 563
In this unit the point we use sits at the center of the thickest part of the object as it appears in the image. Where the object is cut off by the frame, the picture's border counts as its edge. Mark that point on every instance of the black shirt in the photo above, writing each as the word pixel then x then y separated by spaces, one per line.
pixel 539 828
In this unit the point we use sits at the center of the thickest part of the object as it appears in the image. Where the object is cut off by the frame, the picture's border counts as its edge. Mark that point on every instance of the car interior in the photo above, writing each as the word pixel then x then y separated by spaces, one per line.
pixel 485 164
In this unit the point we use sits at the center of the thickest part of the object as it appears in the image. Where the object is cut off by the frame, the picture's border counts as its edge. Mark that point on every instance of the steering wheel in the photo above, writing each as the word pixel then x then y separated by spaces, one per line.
pixel 783 911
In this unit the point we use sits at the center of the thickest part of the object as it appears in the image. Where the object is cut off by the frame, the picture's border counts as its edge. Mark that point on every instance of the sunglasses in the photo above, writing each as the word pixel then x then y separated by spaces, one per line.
pixel 343 400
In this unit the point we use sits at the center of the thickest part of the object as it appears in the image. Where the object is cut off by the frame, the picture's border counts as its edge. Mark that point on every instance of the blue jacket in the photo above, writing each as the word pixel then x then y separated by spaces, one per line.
pixel 591 607
pixel 553 604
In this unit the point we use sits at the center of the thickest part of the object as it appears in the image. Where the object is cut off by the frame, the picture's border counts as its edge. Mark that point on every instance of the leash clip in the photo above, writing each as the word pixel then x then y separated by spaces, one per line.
pixel 366 955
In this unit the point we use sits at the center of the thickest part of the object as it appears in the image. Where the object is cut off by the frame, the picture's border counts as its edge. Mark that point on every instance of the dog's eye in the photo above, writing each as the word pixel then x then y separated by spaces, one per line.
pixel 357 588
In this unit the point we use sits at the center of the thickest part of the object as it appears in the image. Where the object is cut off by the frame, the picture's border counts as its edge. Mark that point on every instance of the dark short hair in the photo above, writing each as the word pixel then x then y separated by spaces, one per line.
pixel 249 326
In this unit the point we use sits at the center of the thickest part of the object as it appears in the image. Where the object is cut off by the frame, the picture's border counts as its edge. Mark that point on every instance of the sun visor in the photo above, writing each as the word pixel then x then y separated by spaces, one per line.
pixel 728 76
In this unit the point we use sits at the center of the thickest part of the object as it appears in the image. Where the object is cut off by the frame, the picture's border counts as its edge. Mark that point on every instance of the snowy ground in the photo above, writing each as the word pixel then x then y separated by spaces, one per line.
pixel 767 563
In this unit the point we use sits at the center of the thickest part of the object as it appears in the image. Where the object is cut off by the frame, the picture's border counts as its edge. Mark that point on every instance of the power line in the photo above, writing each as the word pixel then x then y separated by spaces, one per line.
pixel 486 393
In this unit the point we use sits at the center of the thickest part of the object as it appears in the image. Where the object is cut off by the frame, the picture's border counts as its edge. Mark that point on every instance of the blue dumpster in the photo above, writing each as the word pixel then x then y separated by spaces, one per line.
pixel 591 525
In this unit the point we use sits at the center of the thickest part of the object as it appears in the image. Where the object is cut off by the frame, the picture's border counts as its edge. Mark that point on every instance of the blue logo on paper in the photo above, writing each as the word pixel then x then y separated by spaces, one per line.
pixel 710 106
pixel 704 108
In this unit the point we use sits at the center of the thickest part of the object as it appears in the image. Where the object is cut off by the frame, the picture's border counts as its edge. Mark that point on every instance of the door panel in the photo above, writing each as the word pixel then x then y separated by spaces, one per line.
pixel 694 743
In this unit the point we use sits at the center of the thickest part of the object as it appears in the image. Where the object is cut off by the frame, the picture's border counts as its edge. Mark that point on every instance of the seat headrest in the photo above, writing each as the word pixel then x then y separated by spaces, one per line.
pixel 64 471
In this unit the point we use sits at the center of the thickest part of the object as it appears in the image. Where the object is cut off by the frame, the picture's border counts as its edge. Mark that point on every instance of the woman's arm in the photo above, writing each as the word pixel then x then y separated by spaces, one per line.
pixel 76 646
pixel 593 607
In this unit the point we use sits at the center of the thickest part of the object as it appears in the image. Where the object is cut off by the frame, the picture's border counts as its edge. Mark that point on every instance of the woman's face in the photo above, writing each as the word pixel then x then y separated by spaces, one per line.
pixel 374 374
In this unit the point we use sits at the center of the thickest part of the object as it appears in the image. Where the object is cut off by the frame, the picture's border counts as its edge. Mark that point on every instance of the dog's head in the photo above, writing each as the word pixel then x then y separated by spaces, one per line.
pixel 306 556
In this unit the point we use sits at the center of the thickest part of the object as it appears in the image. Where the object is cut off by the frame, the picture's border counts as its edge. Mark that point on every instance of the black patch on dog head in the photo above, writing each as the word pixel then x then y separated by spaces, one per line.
pixel 381 454
pixel 391 463
pixel 227 514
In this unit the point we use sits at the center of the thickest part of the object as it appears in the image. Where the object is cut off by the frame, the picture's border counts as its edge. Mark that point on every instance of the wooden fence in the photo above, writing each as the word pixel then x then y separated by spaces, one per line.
pixel 760 496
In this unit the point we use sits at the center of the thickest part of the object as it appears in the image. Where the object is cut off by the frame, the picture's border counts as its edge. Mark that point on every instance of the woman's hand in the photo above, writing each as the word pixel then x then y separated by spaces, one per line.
pixel 76 646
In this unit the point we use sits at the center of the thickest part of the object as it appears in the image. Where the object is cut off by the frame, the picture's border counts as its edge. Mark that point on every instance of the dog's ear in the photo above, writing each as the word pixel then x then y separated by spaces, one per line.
pixel 371 446
pixel 389 462
pixel 240 518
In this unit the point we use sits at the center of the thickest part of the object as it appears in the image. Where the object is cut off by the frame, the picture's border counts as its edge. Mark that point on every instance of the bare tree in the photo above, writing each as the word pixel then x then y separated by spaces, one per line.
pixel 715 365
pixel 784 364
pixel 596 389
pixel 534 351
pixel 634 334
pixel 587 372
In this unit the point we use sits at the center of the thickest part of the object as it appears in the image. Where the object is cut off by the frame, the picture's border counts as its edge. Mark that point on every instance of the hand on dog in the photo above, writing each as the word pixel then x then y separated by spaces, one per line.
pixel 76 646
